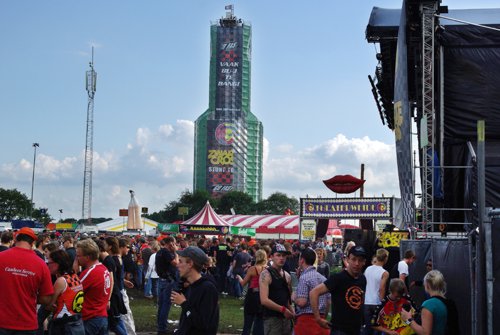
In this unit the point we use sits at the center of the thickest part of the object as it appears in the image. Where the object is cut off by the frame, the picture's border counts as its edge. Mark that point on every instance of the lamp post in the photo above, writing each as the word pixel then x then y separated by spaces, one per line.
pixel 35 145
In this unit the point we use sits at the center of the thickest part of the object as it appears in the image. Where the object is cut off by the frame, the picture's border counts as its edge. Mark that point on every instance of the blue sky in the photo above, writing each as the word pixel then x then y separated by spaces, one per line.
pixel 310 62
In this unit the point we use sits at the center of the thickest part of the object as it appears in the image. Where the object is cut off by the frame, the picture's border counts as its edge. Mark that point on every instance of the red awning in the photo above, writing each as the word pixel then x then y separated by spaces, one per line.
pixel 266 224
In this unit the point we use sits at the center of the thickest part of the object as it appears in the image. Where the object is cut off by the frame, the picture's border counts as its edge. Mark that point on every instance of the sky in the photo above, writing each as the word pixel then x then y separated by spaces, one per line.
pixel 309 87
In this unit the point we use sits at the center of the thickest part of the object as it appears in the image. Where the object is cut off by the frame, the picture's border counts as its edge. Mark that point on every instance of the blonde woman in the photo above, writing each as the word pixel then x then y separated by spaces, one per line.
pixel 434 311
pixel 322 267
pixel 252 306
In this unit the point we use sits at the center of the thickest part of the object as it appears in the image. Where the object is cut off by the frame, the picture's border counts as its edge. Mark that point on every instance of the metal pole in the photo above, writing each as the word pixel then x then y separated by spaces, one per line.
pixel 485 226
pixel 35 145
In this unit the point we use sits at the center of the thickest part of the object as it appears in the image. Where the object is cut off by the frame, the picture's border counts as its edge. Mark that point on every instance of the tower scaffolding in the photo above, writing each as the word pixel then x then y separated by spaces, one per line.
pixel 428 10
pixel 91 77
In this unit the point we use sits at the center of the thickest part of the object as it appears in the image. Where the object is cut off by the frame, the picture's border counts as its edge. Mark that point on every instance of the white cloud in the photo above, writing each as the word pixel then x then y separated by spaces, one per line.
pixel 159 166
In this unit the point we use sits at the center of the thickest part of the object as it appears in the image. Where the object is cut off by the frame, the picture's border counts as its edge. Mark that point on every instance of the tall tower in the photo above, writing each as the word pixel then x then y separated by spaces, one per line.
pixel 228 137
pixel 91 77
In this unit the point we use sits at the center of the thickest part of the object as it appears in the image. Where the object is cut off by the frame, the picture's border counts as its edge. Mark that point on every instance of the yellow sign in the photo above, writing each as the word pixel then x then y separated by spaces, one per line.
pixel 308 230
pixel 391 239
pixel 221 157
pixel 62 226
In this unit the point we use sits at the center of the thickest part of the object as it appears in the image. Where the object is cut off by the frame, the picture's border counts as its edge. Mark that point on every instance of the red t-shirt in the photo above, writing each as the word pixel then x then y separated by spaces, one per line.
pixel 96 287
pixel 23 277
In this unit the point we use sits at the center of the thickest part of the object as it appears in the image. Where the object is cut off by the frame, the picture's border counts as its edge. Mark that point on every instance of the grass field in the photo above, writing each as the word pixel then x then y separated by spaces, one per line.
pixel 144 311
pixel 230 319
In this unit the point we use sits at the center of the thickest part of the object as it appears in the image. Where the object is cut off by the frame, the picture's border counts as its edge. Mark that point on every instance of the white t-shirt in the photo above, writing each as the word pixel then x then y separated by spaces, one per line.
pixel 152 267
pixel 403 268
pixel 373 275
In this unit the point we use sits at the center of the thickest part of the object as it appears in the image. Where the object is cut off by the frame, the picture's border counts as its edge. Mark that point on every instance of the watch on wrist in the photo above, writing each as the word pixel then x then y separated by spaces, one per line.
pixel 409 321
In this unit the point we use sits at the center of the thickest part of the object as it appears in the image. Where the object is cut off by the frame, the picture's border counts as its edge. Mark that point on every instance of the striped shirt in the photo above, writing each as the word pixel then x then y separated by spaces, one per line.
pixel 308 280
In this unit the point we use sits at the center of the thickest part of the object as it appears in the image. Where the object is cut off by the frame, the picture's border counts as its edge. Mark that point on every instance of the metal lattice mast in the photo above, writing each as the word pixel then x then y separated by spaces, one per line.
pixel 91 77
pixel 428 11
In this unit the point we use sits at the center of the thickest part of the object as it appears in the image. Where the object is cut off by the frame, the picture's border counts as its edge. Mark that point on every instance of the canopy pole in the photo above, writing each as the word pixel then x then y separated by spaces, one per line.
pixel 467 22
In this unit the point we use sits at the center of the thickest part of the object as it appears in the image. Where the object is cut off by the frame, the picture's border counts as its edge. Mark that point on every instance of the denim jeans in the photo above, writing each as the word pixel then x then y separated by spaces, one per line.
pixel 237 289
pixel 96 326
pixel 67 328
pixel 222 276
pixel 154 286
pixel 258 324
pixel 4 331
pixel 139 277
pixel 340 332
pixel 164 291
pixel 368 311
pixel 117 326
pixel 41 315
pixel 147 287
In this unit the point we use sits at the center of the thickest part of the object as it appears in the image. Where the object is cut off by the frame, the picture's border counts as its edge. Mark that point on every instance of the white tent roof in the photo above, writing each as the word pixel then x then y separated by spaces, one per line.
pixel 120 224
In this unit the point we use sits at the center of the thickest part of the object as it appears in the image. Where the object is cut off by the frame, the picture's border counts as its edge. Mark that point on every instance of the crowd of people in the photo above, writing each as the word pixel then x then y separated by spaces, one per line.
pixel 77 284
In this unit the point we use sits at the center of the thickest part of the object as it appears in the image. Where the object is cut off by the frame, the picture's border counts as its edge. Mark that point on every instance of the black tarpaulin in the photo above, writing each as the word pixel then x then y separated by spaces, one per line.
pixel 471 81
pixel 451 258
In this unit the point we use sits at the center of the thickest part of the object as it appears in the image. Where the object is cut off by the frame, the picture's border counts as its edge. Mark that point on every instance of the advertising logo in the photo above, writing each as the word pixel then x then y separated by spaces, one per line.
pixel 225 133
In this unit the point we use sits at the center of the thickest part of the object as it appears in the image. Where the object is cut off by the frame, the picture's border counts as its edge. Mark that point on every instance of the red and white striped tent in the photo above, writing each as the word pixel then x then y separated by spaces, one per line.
pixel 207 216
pixel 266 224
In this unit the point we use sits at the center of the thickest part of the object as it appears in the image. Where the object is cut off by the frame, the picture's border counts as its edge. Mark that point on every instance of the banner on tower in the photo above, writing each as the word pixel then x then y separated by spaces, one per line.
pixel 221 136
pixel 228 72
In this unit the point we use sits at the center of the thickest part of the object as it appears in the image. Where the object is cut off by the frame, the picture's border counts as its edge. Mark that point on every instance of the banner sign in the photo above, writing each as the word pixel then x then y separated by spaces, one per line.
pixel 229 72
pixel 66 226
pixel 169 228
pixel 183 210
pixel 242 231
pixel 308 230
pixel 391 239
pixel 203 230
pixel 123 212
pixel 220 156
pixel 346 208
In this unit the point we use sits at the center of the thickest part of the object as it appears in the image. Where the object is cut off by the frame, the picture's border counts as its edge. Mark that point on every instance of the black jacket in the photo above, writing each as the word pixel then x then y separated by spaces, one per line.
pixel 200 312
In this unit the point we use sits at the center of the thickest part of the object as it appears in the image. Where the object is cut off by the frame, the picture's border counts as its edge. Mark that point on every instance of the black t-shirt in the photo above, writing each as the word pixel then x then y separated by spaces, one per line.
pixel 112 263
pixel 163 263
pixel 212 250
pixel 146 255
pixel 3 248
pixel 348 296
pixel 40 254
pixel 223 257
pixel 200 312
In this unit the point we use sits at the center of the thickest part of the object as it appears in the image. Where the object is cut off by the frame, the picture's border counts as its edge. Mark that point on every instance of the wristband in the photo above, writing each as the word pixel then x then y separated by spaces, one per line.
pixel 409 321
pixel 283 309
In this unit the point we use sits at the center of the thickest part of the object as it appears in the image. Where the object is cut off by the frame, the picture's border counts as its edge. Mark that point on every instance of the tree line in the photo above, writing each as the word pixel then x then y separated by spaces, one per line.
pixel 16 205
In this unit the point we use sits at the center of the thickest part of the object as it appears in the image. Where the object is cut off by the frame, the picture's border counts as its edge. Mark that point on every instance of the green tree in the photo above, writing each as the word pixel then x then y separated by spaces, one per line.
pixel 241 202
pixel 277 203
pixel 13 204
